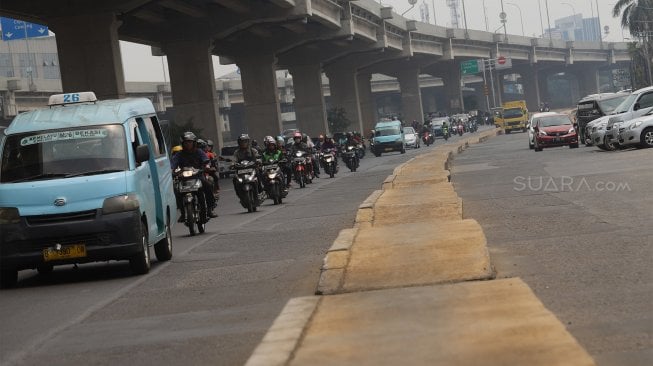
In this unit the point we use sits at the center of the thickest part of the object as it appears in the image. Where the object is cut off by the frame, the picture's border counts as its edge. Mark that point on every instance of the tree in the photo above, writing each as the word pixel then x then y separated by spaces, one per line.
pixel 176 130
pixel 337 118
pixel 637 16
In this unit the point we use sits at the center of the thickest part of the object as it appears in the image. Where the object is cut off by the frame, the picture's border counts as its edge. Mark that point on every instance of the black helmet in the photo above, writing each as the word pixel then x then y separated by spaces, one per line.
pixel 188 136
pixel 201 143
pixel 209 143
pixel 243 138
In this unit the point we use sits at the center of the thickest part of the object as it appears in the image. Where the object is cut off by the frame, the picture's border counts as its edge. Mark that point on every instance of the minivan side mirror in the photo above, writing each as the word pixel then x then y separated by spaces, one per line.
pixel 142 153
pixel 636 107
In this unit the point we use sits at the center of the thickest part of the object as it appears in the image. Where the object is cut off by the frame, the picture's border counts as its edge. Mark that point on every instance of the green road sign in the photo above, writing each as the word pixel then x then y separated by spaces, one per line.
pixel 469 67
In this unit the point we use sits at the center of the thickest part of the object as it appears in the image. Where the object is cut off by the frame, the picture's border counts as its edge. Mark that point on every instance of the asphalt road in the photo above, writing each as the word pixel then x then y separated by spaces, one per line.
pixel 576 225
pixel 210 305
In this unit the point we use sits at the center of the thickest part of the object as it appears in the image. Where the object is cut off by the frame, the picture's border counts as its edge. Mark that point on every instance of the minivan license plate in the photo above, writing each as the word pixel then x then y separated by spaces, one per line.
pixel 388 149
pixel 66 252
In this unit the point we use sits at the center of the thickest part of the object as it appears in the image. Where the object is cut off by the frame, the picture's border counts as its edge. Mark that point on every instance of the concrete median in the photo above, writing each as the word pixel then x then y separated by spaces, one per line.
pixel 422 203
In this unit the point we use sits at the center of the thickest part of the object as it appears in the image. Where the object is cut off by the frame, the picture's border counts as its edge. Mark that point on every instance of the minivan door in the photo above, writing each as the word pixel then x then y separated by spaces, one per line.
pixel 159 168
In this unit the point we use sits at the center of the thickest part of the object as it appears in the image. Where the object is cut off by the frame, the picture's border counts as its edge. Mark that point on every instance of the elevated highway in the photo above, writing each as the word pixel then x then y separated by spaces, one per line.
pixel 347 40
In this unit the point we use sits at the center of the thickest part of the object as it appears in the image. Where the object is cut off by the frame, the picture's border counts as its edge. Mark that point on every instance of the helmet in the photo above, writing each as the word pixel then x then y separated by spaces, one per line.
pixel 269 140
pixel 280 141
pixel 328 136
pixel 254 143
pixel 209 143
pixel 244 138
pixel 201 143
pixel 297 134
pixel 321 137
pixel 188 136
pixel 304 138
pixel 176 149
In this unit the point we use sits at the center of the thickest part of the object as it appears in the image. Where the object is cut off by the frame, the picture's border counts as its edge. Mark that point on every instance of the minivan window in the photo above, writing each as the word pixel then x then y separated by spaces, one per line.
pixel 390 131
pixel 646 100
pixel 625 105
pixel 156 137
pixel 63 153
pixel 609 105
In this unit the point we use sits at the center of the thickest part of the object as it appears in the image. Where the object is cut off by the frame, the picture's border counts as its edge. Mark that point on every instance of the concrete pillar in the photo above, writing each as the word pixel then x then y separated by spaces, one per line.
pixel 343 85
pixel 543 83
pixel 452 87
pixel 531 83
pixel 309 99
pixel 89 54
pixel 588 80
pixel 262 112
pixel 411 96
pixel 194 94
pixel 159 98
pixel 367 102
pixel 9 107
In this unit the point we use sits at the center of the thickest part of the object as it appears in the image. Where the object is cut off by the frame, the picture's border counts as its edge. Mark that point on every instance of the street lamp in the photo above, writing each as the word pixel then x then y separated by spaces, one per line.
pixel 520 16
pixel 412 5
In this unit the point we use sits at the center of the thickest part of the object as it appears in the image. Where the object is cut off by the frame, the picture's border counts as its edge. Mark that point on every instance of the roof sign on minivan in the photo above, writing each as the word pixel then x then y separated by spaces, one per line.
pixel 70 98
pixel 64 135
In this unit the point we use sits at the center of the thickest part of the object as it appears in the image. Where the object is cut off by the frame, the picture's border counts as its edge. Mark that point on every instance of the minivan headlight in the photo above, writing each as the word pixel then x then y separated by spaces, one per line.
pixel 635 125
pixel 9 215
pixel 122 203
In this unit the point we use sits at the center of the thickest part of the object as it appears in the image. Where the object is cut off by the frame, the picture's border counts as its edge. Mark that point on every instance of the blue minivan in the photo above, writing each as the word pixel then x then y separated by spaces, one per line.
pixel 388 136
pixel 82 181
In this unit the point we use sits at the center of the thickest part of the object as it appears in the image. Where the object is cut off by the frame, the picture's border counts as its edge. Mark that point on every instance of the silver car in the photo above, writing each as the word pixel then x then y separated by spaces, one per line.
pixel 411 138
pixel 638 131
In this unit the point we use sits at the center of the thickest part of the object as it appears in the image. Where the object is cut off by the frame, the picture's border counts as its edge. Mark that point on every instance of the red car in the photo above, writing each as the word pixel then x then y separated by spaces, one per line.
pixel 554 130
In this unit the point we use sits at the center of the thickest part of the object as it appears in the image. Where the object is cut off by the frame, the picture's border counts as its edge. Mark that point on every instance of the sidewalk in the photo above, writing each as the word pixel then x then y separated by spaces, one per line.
pixel 412 283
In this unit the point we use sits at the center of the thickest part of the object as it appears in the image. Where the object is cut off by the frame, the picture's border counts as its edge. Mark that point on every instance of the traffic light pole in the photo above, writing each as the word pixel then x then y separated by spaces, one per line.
pixel 494 97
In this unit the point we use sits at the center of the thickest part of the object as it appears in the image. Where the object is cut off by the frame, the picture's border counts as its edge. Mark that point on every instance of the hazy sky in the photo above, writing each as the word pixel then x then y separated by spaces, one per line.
pixel 140 65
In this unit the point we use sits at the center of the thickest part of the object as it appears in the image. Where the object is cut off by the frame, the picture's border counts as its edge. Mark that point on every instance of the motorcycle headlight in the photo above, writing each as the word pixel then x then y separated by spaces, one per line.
pixel 272 175
pixel 240 180
pixel 251 176
pixel 187 173
pixel 328 159
pixel 9 215
pixel 122 203
pixel 635 125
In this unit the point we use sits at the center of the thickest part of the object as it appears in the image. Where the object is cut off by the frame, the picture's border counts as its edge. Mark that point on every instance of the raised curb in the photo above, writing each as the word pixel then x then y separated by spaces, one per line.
pixel 284 335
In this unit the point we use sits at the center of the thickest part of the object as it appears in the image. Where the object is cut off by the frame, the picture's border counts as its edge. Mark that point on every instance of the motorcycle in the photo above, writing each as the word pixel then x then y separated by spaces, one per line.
pixel 445 132
pixel 328 160
pixel 302 168
pixel 461 128
pixel 247 185
pixel 273 181
pixel 350 157
pixel 360 150
pixel 189 185
pixel 428 138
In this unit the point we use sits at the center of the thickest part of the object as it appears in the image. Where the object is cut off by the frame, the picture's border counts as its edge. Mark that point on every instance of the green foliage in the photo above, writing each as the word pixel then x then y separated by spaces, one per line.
pixel 338 121
pixel 175 130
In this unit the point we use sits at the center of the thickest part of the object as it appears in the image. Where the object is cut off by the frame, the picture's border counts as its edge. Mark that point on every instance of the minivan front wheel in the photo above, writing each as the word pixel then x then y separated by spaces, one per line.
pixel 647 137
pixel 140 262
pixel 163 249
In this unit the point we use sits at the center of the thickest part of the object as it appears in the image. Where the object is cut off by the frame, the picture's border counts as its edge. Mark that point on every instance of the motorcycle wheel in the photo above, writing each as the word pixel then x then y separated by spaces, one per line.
pixel 203 216
pixel 331 174
pixel 190 218
pixel 250 201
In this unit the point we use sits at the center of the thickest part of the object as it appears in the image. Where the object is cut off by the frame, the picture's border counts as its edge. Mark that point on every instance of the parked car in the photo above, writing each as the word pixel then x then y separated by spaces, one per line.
pixel 638 131
pixel 411 138
pixel 637 104
pixel 595 106
pixel 530 125
pixel 554 130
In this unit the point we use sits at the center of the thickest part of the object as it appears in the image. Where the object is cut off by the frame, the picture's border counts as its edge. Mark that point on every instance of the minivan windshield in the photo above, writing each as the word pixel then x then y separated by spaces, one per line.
pixel 625 105
pixel 63 153
pixel 387 131
pixel 609 105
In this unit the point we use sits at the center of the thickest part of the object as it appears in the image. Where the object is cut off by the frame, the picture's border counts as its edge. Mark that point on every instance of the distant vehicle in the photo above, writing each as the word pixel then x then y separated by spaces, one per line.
pixel 513 116
pixel 436 125
pixel 411 137
pixel 553 130
pixel 638 131
pixel 84 181
pixel 594 106
pixel 530 125
pixel 388 136
pixel 225 165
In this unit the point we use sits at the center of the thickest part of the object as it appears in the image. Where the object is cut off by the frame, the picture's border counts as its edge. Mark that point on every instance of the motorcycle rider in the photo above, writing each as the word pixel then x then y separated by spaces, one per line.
pixel 192 156
pixel 286 168
pixel 330 145
pixel 273 153
pixel 320 142
pixel 213 158
pixel 249 153
pixel 311 149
